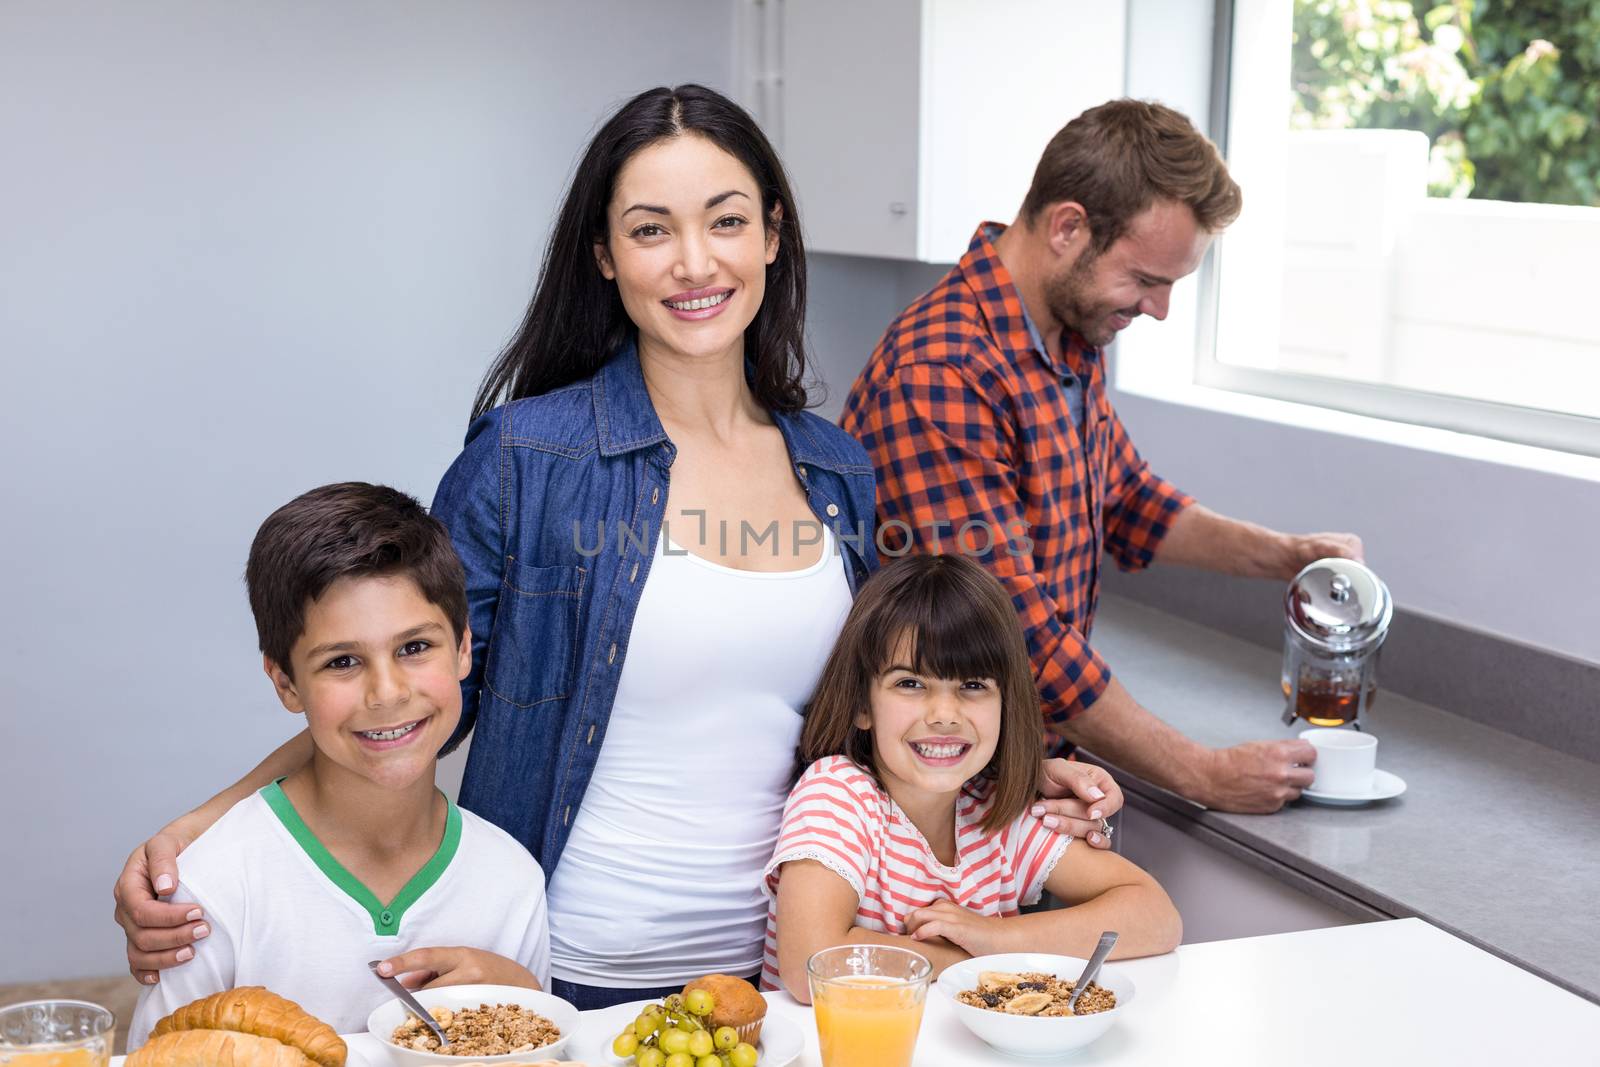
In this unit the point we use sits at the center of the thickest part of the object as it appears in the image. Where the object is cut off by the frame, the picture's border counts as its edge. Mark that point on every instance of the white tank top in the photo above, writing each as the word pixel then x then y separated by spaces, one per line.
pixel 660 880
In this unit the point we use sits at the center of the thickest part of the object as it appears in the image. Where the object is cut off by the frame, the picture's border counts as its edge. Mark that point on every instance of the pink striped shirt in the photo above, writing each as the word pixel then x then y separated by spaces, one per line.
pixel 837 815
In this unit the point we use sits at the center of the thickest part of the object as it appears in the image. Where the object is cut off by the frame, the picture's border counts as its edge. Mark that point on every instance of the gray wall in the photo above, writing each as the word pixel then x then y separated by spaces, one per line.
pixel 850 299
pixel 247 248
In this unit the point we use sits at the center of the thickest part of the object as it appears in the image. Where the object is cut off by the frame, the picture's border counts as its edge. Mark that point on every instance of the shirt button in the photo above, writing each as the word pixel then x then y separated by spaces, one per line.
pixel 833 510
pixel 655 494
pixel 566 816
pixel 802 471
pixel 633 573
pixel 611 657
pixel 386 917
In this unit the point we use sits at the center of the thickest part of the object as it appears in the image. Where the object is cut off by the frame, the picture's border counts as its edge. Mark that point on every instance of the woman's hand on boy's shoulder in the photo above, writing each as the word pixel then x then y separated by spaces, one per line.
pixel 429 968
pixel 1076 797
pixel 977 935
pixel 160 934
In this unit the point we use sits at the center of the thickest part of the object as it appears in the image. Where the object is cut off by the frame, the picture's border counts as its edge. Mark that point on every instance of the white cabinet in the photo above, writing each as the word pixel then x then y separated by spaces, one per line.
pixel 905 123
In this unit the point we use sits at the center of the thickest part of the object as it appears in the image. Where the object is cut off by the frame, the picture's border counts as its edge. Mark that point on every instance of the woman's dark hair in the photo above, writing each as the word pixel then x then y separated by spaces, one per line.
pixel 962 625
pixel 346 530
pixel 576 320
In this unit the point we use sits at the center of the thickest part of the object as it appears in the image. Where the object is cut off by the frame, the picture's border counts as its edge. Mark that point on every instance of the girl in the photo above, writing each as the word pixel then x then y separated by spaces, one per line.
pixel 911 823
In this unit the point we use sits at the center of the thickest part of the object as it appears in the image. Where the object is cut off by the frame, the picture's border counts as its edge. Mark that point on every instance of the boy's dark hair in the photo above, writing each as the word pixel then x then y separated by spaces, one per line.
pixel 962 625
pixel 1119 158
pixel 346 530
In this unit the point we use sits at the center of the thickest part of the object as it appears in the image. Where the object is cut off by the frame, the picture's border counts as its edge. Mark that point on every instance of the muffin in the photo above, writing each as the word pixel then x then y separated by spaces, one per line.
pixel 737 1004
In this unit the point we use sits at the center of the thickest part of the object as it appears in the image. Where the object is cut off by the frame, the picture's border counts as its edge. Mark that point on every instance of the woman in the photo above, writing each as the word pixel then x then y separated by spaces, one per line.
pixel 661 545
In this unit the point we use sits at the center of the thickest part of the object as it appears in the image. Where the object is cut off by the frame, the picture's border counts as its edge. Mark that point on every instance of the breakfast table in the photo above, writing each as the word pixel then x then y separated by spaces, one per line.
pixel 1399 992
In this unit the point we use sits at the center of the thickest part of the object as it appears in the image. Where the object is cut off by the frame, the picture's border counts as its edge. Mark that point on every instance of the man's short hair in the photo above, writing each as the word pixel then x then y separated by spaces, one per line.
pixel 1120 157
pixel 346 530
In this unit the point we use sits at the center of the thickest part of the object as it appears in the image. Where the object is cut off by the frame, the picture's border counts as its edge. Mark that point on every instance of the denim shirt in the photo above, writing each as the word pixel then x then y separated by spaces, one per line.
pixel 551 601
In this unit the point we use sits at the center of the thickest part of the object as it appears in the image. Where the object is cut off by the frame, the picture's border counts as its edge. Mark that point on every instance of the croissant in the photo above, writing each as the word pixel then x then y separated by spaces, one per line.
pixel 217 1048
pixel 258 1011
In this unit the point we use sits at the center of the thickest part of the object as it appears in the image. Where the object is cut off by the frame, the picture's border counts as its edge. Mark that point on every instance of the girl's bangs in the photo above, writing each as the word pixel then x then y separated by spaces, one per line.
pixel 951 636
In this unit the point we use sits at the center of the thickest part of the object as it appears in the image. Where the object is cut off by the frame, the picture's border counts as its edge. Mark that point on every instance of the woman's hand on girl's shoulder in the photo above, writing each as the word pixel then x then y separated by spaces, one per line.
pixel 1076 797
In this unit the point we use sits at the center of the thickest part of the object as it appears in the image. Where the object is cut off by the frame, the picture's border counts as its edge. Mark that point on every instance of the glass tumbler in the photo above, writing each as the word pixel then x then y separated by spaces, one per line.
pixel 868 1000
pixel 56 1033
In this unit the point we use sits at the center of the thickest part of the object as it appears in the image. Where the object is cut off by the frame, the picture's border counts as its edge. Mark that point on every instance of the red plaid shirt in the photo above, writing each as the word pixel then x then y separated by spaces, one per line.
pixel 968 426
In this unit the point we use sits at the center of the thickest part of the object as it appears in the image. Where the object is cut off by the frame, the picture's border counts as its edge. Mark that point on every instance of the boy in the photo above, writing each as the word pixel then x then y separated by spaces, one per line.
pixel 360 606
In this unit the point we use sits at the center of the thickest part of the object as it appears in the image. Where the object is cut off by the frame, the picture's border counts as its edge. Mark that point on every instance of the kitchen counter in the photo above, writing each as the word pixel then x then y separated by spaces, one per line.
pixel 1396 993
pixel 1496 839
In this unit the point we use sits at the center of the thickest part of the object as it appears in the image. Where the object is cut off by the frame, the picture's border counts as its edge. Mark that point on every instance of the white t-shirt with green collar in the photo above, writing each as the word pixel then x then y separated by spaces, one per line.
pixel 286 915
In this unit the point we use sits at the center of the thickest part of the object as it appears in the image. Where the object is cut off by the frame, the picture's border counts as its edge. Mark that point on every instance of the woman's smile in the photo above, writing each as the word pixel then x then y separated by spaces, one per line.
pixel 688 249
pixel 696 304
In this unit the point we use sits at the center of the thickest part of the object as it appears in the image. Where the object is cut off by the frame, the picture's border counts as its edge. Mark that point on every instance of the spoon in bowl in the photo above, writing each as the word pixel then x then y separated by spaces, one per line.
pixel 410 1002
pixel 1101 951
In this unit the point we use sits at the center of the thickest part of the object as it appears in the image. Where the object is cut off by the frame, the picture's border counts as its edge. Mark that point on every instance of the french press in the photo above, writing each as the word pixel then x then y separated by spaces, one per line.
pixel 1336 615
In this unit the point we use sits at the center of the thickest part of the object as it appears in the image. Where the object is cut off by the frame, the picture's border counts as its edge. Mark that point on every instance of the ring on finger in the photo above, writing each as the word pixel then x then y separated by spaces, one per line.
pixel 1106 828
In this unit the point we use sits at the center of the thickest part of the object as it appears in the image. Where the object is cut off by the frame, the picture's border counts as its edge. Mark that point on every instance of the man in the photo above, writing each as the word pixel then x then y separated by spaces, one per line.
pixel 984 408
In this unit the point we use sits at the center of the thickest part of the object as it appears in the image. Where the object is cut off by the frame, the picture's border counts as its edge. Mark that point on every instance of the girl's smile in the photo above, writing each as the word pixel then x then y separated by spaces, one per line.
pixel 930 735
pixel 941 751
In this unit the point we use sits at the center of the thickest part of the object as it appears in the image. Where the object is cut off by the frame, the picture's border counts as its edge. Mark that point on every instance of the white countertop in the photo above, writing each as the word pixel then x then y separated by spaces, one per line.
pixel 1399 992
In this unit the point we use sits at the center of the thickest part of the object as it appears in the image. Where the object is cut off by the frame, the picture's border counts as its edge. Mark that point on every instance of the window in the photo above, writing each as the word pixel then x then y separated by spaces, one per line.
pixel 1422 189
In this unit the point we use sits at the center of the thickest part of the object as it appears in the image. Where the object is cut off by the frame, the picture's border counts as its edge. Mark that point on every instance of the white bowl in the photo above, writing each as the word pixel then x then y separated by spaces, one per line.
pixel 384 1018
pixel 1026 1035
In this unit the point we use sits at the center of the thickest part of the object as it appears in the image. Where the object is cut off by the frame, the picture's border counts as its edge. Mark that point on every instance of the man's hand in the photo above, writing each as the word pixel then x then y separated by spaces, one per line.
pixel 1257 777
pixel 977 935
pixel 159 934
pixel 430 968
pixel 1077 796
pixel 1301 549
pixel 1200 537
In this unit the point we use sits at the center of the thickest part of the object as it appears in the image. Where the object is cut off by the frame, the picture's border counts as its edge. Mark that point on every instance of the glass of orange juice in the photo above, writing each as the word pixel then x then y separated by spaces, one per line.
pixel 868 1000
pixel 56 1033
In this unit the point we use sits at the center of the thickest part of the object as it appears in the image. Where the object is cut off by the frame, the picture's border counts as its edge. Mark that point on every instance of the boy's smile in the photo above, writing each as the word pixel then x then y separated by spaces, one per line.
pixel 388 737
pixel 377 673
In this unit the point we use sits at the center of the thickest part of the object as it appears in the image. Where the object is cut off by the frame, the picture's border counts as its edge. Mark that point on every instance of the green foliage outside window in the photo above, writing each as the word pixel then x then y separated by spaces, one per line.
pixel 1507 91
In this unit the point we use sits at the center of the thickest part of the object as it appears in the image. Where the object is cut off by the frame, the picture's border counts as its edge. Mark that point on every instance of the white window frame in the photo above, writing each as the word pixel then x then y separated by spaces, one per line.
pixel 1250 92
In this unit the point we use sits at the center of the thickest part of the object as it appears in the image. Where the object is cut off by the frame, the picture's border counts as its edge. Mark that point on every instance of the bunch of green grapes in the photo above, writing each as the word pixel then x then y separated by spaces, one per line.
pixel 674 1033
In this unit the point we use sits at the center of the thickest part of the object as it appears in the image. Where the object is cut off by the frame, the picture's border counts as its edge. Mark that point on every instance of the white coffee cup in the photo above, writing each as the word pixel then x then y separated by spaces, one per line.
pixel 1346 760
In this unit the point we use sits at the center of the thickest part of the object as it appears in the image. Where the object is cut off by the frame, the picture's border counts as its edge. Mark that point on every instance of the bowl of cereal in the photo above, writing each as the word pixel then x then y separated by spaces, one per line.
pixel 1017 1001
pixel 485 1024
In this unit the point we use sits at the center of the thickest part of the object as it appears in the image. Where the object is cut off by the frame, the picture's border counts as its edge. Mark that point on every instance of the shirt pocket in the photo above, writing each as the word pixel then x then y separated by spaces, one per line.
pixel 534 647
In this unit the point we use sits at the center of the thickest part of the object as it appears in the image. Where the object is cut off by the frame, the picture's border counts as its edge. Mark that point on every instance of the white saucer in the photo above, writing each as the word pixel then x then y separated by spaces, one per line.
pixel 1384 787
pixel 781 1042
